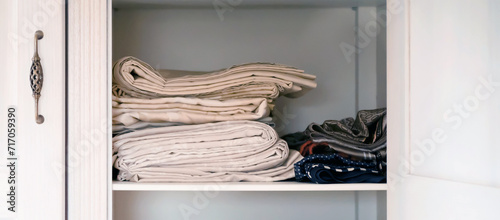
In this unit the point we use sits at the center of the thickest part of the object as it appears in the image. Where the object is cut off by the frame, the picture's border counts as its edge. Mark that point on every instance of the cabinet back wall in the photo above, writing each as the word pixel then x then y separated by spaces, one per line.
pixel 309 39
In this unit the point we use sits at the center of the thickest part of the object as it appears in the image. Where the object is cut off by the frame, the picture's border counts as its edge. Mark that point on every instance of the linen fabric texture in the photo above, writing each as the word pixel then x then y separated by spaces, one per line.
pixel 128 111
pixel 123 129
pixel 136 78
pixel 186 126
pixel 211 152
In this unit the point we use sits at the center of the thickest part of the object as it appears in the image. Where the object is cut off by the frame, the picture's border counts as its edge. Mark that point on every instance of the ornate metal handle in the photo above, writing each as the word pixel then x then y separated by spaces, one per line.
pixel 36 77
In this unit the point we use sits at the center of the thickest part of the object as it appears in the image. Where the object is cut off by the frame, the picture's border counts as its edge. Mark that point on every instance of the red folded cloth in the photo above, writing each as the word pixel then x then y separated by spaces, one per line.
pixel 309 148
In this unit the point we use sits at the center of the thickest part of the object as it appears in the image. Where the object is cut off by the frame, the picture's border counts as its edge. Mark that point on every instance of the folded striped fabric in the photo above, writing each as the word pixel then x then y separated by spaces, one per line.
pixel 333 168
pixel 223 151
pixel 136 78
pixel 322 173
pixel 128 111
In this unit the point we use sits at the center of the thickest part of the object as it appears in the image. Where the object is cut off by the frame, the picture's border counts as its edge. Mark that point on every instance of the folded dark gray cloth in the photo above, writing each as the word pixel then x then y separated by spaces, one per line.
pixel 366 133
pixel 363 137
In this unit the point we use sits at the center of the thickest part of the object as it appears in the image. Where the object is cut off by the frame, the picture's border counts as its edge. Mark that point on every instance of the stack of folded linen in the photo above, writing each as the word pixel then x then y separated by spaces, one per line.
pixel 180 126
pixel 223 151
pixel 345 151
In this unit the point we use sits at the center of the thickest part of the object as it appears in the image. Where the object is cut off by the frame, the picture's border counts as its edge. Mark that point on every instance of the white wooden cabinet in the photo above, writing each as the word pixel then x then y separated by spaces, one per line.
pixel 434 64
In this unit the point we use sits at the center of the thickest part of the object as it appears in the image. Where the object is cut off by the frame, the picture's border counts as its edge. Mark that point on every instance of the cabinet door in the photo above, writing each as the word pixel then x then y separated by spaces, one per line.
pixel 32 174
pixel 444 81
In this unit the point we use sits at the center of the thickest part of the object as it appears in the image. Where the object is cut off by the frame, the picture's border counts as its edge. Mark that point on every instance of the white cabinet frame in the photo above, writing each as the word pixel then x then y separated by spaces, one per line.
pixel 398 102
pixel 89 105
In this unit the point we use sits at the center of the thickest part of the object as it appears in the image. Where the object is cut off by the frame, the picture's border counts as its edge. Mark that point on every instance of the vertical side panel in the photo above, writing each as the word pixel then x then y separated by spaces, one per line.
pixel 397 104
pixel 109 123
pixel 368 33
pixel 87 110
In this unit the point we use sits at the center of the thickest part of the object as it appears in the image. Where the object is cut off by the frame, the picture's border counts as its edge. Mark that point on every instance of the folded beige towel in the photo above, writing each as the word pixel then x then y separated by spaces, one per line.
pixel 262 80
pixel 128 111
pixel 122 129
pixel 223 151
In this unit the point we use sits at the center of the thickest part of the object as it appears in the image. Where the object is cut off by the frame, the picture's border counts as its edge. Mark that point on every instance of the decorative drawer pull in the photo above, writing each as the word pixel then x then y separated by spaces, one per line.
pixel 36 77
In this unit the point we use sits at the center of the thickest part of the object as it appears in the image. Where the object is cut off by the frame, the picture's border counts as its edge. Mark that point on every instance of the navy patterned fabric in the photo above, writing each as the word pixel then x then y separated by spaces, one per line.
pixel 333 168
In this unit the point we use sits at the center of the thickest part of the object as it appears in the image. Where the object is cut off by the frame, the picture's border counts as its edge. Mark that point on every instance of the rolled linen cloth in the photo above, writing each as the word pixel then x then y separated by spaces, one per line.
pixel 223 151
pixel 138 79
pixel 128 111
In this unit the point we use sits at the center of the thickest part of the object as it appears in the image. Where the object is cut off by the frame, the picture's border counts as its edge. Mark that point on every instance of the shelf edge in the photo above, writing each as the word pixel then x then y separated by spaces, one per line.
pixel 277 187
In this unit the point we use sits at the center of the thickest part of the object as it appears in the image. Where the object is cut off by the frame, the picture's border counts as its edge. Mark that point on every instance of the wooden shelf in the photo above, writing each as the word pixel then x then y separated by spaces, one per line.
pixel 246 186
pixel 254 3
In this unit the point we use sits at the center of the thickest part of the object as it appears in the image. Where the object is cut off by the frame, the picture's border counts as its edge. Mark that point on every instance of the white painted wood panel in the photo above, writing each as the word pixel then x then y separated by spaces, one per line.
pixel 8 89
pixel 431 198
pixel 455 75
pixel 397 105
pixel 440 51
pixel 40 186
pixel 89 190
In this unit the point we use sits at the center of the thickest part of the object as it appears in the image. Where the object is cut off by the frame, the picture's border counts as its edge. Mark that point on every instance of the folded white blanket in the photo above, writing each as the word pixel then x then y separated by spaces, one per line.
pixel 223 151
pixel 128 111
pixel 263 80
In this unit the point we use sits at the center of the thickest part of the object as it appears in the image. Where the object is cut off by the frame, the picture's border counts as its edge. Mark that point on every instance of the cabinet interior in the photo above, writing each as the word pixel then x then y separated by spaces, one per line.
pixel 319 37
